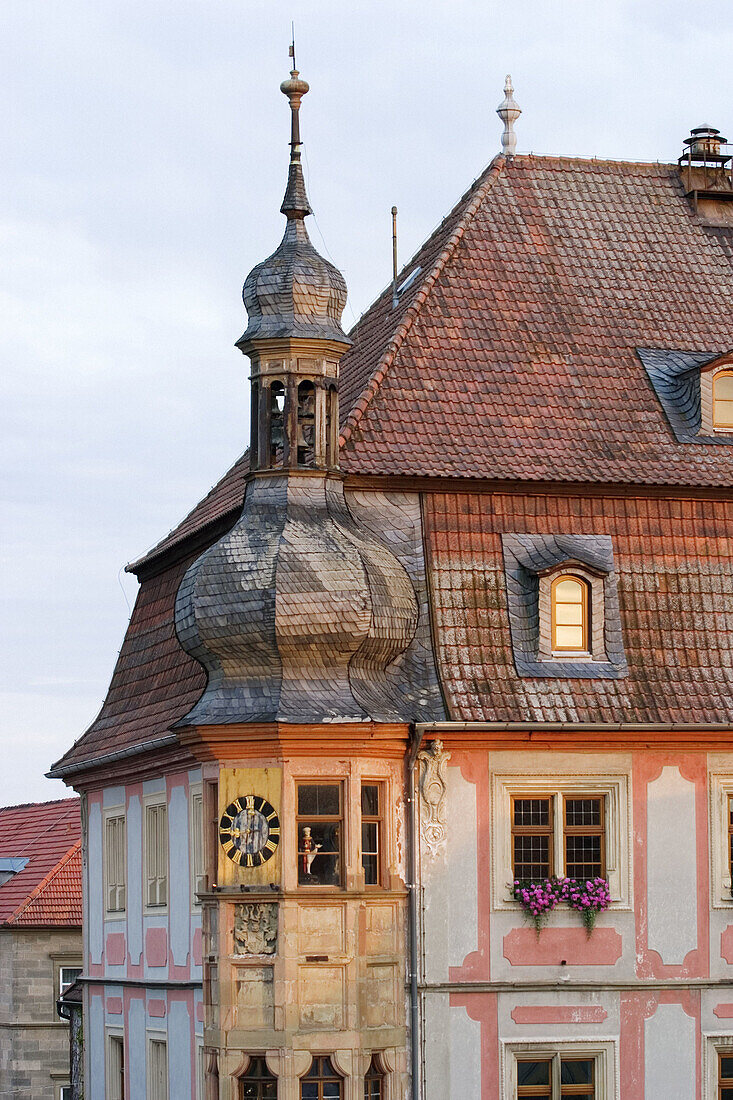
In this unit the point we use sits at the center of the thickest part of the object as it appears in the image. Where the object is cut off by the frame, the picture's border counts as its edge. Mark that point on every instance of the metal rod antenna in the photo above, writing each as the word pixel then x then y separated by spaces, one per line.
pixel 395 299
pixel 292 43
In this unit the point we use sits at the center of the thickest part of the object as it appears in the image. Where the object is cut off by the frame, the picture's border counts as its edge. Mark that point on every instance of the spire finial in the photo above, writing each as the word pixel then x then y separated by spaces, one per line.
pixel 295 204
pixel 508 111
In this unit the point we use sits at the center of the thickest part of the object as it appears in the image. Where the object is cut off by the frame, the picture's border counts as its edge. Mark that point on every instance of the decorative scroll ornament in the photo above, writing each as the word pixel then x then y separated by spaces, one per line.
pixel 433 783
pixel 255 928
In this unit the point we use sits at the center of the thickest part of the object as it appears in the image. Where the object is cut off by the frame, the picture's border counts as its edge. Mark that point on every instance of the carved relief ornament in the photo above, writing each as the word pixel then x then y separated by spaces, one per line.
pixel 433 763
pixel 255 928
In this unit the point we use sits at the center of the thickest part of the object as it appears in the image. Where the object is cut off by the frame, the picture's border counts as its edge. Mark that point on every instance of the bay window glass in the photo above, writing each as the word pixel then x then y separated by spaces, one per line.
pixel 321 1082
pixel 320 834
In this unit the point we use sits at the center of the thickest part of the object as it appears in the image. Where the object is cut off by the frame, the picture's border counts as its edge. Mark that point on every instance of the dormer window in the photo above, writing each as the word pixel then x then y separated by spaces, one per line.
pixel 723 401
pixel 570 609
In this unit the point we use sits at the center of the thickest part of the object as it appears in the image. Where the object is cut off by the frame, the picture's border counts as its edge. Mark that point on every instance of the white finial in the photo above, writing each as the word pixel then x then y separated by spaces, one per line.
pixel 508 111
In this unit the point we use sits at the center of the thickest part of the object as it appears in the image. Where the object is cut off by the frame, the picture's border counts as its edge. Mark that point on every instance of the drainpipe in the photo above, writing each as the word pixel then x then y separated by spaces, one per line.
pixel 416 739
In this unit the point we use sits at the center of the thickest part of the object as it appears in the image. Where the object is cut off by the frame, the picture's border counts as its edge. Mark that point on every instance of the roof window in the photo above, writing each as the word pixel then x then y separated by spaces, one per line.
pixel 722 384
pixel 11 865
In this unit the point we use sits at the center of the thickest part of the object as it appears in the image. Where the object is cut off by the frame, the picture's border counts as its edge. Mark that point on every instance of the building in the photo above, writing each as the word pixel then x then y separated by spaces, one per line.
pixel 40 944
pixel 379 680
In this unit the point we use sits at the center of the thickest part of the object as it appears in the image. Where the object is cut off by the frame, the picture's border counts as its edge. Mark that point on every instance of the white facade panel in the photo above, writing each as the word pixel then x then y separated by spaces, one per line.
pixel 669 1042
pixel 672 866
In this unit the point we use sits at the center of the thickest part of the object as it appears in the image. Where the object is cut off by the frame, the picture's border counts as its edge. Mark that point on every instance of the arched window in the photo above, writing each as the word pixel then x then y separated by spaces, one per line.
pixel 723 401
pixel 277 421
pixel 306 424
pixel 374 1081
pixel 321 1082
pixel 257 1083
pixel 569 604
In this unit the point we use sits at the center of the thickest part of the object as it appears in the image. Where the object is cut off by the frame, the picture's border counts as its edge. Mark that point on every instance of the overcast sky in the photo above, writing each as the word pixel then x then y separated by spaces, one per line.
pixel 144 155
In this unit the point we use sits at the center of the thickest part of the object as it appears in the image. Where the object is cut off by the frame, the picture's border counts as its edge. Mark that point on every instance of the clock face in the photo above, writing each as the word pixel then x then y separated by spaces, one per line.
pixel 249 830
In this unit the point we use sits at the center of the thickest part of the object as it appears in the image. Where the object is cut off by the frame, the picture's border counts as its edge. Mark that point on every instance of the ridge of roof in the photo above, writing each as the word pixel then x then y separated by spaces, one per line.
pixel 31 805
pixel 368 393
pixel 46 882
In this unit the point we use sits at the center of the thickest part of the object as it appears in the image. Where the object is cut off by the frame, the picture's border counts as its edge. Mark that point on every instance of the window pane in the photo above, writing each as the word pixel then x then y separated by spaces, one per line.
pixel 569 637
pixel 724 414
pixel 583 856
pixel 369 837
pixel 726 1094
pixel 318 799
pixel 532 811
pixel 309 1090
pixel 724 386
pixel 370 799
pixel 533 1073
pixel 569 614
pixel 569 591
pixel 319 849
pixel 332 1090
pixel 583 811
pixel 531 856
pixel 577 1072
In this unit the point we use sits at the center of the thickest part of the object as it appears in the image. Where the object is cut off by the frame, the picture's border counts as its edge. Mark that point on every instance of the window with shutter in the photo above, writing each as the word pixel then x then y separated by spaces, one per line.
pixel 115 1068
pixel 114 857
pixel 157 1069
pixel 156 855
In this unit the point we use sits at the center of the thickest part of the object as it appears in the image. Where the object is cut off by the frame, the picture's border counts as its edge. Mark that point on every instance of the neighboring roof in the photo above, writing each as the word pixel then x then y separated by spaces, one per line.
pixel 673 562
pixel 512 354
pixel 47 891
pixel 675 376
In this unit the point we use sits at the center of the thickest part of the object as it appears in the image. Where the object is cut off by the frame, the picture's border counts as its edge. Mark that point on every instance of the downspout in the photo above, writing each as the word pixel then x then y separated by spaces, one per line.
pixel 416 739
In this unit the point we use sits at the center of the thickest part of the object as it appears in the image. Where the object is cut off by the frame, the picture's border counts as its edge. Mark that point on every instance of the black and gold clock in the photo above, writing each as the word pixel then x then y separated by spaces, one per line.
pixel 249 830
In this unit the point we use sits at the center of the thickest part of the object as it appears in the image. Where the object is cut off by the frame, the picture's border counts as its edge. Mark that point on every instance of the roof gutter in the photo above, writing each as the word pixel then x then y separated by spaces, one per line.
pixel 110 757
pixel 424 728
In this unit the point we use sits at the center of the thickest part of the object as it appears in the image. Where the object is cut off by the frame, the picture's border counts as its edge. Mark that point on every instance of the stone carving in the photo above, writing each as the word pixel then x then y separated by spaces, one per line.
pixel 433 782
pixel 255 928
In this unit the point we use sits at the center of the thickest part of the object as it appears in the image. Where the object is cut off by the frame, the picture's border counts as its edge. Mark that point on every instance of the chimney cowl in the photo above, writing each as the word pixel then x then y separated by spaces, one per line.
pixel 704 144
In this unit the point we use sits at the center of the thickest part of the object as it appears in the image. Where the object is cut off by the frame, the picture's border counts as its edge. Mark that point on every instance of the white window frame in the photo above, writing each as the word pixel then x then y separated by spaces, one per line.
pixel 151 805
pixel 596 610
pixel 116 813
pixel 152 1037
pixel 605 1055
pixel 721 789
pixel 713 1044
pixel 707 378
pixel 66 964
pixel 196 842
pixel 113 1036
pixel 618 840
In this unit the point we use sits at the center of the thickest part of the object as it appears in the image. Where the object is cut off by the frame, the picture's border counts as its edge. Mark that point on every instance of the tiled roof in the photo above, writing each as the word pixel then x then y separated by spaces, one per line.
pixel 674 567
pixel 512 355
pixel 48 889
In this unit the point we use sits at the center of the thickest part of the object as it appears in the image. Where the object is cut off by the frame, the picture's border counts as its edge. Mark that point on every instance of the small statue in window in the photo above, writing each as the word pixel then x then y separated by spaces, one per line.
pixel 308 851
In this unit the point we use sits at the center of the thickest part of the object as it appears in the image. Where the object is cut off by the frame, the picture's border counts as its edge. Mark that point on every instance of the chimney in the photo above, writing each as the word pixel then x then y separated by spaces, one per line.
pixel 705 171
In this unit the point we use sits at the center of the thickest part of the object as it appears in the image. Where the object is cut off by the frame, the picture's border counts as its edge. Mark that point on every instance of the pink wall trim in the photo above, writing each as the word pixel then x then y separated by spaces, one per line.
pixel 156 946
pixel 726 944
pixel 475 769
pixel 197 947
pixel 647 766
pixel 200 1012
pixel 114 1006
pixel 724 1012
pixel 115 948
pixel 484 1008
pixel 559 1014
pixel 522 947
pixel 635 1009
pixel 156 1007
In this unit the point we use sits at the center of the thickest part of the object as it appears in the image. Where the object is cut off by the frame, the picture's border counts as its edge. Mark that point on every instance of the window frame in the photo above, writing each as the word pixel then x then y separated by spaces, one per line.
pixel 154 806
pixel 376 1071
pixel 337 1076
pixel 724 372
pixel 242 1077
pixel 614 786
pixel 116 814
pixel 373 819
pixel 114 1039
pixel 720 794
pixel 586 614
pixel 341 819
pixel 160 1038
pixel 602 1053
pixel 595 614
pixel 535 830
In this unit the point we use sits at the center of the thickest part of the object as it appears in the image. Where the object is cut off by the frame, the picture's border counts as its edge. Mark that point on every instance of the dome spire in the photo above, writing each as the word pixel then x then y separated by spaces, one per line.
pixel 295 204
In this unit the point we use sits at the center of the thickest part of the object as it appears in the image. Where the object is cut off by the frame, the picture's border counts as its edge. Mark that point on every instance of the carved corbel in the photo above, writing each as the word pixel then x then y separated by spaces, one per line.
pixel 433 763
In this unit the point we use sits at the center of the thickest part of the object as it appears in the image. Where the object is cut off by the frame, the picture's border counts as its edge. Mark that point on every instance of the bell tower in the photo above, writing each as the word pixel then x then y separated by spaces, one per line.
pixel 294 301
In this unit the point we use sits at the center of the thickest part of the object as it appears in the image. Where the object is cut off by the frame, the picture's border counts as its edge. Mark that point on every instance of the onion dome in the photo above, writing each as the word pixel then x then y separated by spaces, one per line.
pixel 297 613
pixel 294 292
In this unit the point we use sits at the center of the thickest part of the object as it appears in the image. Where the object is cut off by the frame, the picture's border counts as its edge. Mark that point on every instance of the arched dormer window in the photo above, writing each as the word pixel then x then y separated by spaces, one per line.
pixel 723 401
pixel 570 611
pixel 322 1082
pixel 257 1083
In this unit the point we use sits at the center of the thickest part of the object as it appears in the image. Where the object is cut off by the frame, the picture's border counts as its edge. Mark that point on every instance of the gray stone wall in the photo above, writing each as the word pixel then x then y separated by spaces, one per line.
pixel 34 1042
